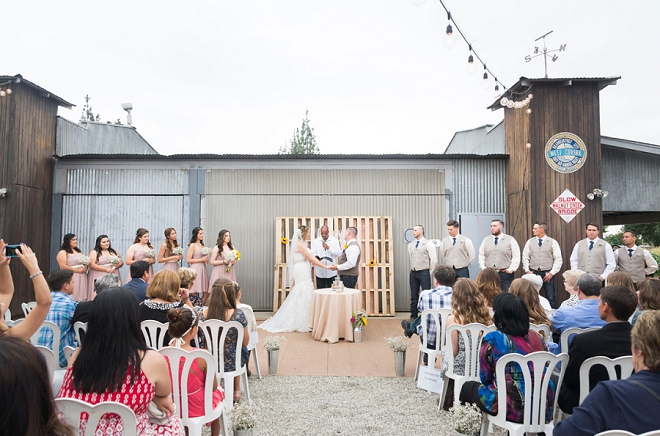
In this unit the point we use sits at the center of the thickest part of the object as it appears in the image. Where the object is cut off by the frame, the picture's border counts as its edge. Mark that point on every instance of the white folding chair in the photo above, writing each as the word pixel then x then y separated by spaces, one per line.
pixel 72 408
pixel 472 342
pixel 11 323
pixel 439 317
pixel 567 334
pixel 27 307
pixel 79 328
pixel 55 346
pixel 624 362
pixel 52 361
pixel 8 315
pixel 68 352
pixel 542 328
pixel 544 364
pixel 154 333
pixel 215 335
pixel 183 359
pixel 254 336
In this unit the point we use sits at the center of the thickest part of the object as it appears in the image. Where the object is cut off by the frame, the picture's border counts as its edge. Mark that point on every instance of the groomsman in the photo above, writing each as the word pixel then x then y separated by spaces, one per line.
pixel 500 251
pixel 635 260
pixel 593 255
pixel 326 249
pixel 349 260
pixel 457 251
pixel 423 259
pixel 542 256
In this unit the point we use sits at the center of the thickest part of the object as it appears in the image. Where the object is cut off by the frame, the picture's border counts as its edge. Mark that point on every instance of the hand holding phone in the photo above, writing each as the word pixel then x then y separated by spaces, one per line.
pixel 11 249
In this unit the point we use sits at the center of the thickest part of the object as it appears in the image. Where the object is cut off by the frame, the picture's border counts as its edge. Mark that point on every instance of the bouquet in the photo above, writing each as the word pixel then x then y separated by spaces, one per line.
pixel 150 253
pixel 177 251
pixel 466 418
pixel 114 260
pixel 359 318
pixel 397 343
pixel 243 415
pixel 272 343
pixel 84 260
pixel 230 256
pixel 206 251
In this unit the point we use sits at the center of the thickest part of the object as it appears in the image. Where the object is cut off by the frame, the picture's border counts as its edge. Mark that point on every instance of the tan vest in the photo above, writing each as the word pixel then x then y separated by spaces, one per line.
pixel 355 271
pixel 593 261
pixel 541 257
pixel 419 257
pixel 497 256
pixel 632 265
pixel 455 255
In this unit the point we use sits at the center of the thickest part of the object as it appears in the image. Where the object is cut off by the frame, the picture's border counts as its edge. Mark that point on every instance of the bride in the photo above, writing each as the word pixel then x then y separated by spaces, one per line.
pixel 293 315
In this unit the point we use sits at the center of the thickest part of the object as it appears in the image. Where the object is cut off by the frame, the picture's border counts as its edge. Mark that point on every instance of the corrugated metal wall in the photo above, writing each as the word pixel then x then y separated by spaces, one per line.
pixel 247 202
pixel 479 186
pixel 625 173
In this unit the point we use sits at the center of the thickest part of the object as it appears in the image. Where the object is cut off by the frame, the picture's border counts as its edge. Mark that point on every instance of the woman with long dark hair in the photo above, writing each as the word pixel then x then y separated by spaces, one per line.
pixel 103 259
pixel 222 246
pixel 197 261
pixel 139 250
pixel 70 257
pixel 115 364
pixel 166 253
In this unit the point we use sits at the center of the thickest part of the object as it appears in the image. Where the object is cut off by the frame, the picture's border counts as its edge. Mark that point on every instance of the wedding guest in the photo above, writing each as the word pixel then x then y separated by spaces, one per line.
pixel 526 291
pixel 26 395
pixel 648 296
pixel 166 253
pixel 71 258
pixel 37 315
pixel 140 277
pixel 139 250
pixel 188 277
pixel 62 282
pixel 163 294
pixel 197 259
pixel 81 314
pixel 101 260
pixel 537 283
pixel 114 360
pixel 621 278
pixel 222 268
pixel 489 284
pixel 571 277
pixel 249 315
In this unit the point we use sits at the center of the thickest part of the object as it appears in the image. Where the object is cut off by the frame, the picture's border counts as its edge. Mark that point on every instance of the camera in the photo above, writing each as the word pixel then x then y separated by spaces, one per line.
pixel 10 250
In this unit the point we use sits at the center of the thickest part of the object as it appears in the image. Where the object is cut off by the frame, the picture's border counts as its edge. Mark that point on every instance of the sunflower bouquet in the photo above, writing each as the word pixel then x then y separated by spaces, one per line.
pixel 359 318
pixel 231 256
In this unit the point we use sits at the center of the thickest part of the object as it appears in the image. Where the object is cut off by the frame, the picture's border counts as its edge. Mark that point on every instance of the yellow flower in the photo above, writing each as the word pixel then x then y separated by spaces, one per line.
pixel 238 255
pixel 345 246
pixel 364 320
pixel 372 262
pixel 284 241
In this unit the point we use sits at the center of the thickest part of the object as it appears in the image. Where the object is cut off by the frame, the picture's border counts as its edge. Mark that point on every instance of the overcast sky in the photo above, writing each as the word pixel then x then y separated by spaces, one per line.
pixel 237 77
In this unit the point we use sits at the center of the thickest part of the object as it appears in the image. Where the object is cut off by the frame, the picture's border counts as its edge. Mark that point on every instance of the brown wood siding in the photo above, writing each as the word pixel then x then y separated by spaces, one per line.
pixel 532 185
pixel 28 125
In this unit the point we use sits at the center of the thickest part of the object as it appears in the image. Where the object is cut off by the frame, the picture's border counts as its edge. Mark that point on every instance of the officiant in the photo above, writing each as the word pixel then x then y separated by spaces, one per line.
pixel 326 249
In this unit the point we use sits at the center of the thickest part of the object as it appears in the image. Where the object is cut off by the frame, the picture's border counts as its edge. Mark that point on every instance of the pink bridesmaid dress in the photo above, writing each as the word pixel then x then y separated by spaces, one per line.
pixel 139 255
pixel 93 275
pixel 171 265
pixel 219 271
pixel 81 289
pixel 201 284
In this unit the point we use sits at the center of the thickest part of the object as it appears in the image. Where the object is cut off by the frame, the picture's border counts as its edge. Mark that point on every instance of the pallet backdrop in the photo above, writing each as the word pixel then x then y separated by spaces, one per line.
pixel 376 278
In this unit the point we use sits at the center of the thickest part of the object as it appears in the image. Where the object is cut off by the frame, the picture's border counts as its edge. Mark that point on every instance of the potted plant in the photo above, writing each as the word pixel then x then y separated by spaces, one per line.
pixel 272 344
pixel 358 319
pixel 466 419
pixel 243 417
pixel 398 344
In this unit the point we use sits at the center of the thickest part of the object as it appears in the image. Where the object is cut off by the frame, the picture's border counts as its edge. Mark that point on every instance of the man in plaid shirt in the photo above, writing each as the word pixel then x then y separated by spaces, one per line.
pixel 61 283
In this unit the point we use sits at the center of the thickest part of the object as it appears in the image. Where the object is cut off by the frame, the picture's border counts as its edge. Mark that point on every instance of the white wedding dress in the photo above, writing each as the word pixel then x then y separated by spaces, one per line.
pixel 293 315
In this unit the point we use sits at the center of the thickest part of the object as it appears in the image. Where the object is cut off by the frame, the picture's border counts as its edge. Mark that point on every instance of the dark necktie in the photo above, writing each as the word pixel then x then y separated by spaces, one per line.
pixel 540 242
pixel 630 250
pixel 591 245
pixel 417 244
pixel 454 242
pixel 496 240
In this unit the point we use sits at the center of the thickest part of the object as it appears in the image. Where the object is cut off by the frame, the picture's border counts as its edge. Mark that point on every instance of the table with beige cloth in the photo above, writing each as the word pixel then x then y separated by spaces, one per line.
pixel 330 318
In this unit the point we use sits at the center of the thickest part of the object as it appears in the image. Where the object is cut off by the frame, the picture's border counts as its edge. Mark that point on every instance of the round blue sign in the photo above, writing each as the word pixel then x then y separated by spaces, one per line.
pixel 565 152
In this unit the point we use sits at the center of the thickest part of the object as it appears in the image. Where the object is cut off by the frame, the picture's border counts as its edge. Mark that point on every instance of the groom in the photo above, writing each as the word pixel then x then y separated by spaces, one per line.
pixel 349 261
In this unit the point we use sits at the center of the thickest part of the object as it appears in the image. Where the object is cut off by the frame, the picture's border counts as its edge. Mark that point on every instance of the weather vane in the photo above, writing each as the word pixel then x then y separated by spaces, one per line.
pixel 545 53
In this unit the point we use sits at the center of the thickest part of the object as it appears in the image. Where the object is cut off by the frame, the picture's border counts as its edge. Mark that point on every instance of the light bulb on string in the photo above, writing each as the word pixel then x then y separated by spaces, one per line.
pixel 497 90
pixel 528 145
pixel 2 93
pixel 450 40
pixel 469 69
pixel 485 84
pixel 8 90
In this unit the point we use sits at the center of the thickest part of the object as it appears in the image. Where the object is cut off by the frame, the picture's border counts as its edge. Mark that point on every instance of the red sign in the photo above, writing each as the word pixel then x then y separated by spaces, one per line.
pixel 567 205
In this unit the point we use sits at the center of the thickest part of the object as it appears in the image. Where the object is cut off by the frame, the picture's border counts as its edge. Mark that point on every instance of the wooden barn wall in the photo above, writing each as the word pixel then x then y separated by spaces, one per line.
pixel 27 143
pixel 532 185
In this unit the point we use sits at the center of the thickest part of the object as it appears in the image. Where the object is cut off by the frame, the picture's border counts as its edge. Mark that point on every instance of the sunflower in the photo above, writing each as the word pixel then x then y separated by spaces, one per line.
pixel 345 246
pixel 284 241
pixel 372 263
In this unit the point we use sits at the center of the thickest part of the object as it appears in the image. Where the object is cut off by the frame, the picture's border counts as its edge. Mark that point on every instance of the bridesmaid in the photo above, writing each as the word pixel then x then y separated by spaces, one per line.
pixel 218 261
pixel 100 260
pixel 69 258
pixel 137 252
pixel 165 254
pixel 197 261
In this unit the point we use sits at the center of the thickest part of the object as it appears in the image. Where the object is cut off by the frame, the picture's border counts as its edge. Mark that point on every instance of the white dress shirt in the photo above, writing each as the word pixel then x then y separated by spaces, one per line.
pixel 610 262
pixel 556 254
pixel 515 253
pixel 352 253
pixel 328 257
pixel 651 264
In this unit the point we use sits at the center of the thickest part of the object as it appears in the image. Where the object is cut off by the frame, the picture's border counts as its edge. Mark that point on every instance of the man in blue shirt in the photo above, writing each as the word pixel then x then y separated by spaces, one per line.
pixel 61 283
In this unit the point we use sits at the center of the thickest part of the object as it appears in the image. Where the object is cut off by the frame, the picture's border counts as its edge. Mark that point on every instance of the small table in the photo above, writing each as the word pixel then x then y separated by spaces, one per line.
pixel 330 318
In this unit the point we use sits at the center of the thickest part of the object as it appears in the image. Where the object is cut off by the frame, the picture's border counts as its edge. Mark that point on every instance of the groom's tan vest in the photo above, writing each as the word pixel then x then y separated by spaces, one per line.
pixel 355 271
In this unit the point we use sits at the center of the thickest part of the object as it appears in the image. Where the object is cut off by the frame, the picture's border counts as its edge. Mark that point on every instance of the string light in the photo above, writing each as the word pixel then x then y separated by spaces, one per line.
pixel 4 92
pixel 450 40
pixel 470 66
pixel 484 83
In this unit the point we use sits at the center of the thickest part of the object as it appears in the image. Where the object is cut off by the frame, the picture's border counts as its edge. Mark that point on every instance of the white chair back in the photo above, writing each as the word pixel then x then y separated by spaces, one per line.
pixel 52 361
pixel 27 307
pixel 180 362
pixel 567 334
pixel 254 335
pixel 542 328
pixel 72 408
pixel 439 317
pixel 544 364
pixel 79 328
pixel 624 362
pixel 34 340
pixel 68 352
pixel 11 323
pixel 154 333
pixel 8 315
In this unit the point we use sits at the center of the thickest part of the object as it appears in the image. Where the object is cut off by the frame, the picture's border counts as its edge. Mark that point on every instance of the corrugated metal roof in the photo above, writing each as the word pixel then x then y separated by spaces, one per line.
pixel 482 141
pixel 101 156
pixel 43 92
pixel 642 147
pixel 99 138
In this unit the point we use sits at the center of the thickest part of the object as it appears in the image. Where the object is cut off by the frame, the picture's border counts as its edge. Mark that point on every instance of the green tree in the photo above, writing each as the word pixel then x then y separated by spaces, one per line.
pixel 303 140
pixel 88 113
pixel 647 234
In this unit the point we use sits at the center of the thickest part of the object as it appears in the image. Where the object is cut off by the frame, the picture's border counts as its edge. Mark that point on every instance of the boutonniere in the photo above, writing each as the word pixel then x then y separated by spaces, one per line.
pixel 345 247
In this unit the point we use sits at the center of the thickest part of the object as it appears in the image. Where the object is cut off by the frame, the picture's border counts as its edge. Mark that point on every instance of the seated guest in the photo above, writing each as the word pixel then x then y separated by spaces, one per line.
pixel 585 314
pixel 437 298
pixel 62 283
pixel 140 276
pixel 250 319
pixel 26 399
pixel 489 284
pixel 163 294
pixel 631 404
pixel 570 279
pixel 114 361
pixel 525 290
pixel 512 336
pixel 621 278
pixel 187 277
pixel 616 305
pixel 106 281
pixel 36 317
pixel 648 295
pixel 537 282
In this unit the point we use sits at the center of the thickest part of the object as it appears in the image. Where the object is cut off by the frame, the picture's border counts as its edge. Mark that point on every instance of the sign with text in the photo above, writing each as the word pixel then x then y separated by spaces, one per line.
pixel 567 205
pixel 430 379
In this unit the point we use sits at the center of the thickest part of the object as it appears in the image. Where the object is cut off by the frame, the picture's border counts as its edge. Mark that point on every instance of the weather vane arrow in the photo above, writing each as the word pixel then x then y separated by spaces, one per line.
pixel 545 52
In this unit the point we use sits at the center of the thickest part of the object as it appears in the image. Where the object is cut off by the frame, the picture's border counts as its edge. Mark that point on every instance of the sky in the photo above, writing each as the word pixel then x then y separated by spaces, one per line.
pixel 213 76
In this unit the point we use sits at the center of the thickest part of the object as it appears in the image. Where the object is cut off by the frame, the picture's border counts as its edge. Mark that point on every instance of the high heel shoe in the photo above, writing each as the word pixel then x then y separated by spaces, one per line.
pixel 237 397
